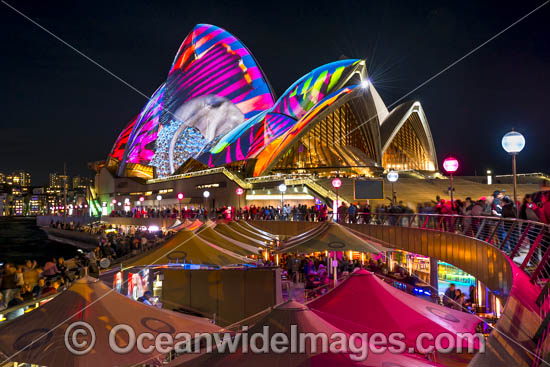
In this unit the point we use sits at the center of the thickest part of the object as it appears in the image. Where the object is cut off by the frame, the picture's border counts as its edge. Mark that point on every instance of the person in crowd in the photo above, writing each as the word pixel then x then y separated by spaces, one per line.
pixel 498 195
pixel 9 283
pixel 146 298
pixel 31 273
pixel 39 287
pixel 450 295
pixel 50 269
pixel 471 300
pixel 14 302
pixel 26 293
pixel 459 300
pixel 527 210
pixel 20 282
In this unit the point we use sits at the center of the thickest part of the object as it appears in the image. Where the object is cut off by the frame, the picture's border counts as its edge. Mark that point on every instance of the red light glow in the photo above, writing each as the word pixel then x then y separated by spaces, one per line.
pixel 450 165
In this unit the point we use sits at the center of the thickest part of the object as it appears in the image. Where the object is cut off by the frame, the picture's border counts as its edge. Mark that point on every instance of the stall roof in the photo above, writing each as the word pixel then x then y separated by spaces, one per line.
pixel 187 247
pixel 379 307
pixel 281 320
pixel 209 234
pixel 328 236
pixel 38 337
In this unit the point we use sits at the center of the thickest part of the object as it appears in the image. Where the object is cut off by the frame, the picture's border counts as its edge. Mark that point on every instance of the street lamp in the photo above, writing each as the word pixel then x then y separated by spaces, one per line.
pixel 336 183
pixel 180 198
pixel 392 176
pixel 239 191
pixel 513 143
pixel 282 189
pixel 159 198
pixel 450 165
pixel 205 195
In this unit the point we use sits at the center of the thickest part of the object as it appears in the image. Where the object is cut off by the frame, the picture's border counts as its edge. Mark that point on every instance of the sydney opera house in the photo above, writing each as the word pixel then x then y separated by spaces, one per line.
pixel 216 124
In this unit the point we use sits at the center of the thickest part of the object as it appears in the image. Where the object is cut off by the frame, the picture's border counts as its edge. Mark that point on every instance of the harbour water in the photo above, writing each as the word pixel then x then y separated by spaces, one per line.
pixel 22 239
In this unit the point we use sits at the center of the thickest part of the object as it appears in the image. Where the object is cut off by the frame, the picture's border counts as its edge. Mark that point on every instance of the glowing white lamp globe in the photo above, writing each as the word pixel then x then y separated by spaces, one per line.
pixel 282 187
pixel 159 197
pixel 206 194
pixel 392 176
pixel 513 142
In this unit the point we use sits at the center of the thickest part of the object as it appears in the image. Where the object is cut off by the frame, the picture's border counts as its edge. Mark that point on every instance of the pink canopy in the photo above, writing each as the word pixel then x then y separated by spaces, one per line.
pixel 365 303
pixel 280 320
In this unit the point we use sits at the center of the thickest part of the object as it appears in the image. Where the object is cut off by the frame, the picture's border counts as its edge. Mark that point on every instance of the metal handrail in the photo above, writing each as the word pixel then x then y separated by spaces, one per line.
pixel 523 241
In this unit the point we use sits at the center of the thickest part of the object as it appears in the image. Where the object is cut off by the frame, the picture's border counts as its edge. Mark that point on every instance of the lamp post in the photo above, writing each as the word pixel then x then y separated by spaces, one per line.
pixel 159 198
pixel 239 191
pixel 282 190
pixel 336 183
pixel 205 195
pixel 513 143
pixel 392 176
pixel 450 165
pixel 180 198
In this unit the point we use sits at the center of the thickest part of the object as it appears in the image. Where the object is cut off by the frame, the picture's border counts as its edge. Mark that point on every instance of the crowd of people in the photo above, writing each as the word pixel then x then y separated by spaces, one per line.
pixel 29 281
pixel 456 299
pixel 535 207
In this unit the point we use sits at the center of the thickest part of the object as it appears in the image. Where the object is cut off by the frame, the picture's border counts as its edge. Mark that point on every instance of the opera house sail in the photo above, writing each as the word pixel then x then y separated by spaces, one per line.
pixel 217 109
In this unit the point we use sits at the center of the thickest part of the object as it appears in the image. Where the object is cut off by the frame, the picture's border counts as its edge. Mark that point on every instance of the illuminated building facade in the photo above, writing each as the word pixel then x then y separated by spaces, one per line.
pixel 216 109
pixel 19 178
pixel 57 181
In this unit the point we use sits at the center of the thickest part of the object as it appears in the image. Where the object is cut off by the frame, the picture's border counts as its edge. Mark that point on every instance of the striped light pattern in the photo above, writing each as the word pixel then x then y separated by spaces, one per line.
pixel 248 139
pixel 210 61
pixel 313 87
pixel 270 152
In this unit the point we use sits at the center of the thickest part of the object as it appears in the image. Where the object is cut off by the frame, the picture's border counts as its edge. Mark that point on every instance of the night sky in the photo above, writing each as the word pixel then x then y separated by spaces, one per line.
pixel 57 106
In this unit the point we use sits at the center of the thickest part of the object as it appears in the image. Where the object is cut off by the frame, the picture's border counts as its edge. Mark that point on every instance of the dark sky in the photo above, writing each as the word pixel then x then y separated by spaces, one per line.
pixel 57 106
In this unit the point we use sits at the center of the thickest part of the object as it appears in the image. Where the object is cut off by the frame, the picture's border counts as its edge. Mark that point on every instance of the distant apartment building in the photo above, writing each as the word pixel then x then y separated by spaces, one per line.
pixel 4 202
pixel 57 180
pixel 19 178
pixel 80 182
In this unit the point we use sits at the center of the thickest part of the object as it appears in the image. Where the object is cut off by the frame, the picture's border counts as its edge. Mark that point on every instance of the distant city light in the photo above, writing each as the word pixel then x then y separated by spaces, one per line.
pixel 513 142
pixel 450 165
pixel 365 83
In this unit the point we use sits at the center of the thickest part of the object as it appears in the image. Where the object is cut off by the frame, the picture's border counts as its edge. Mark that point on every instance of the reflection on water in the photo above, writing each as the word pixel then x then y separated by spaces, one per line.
pixel 21 239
